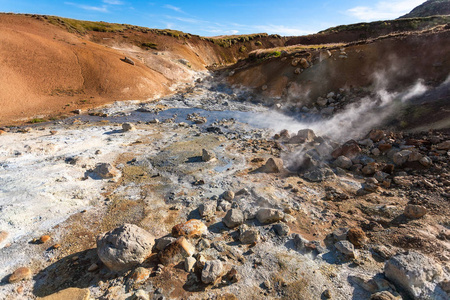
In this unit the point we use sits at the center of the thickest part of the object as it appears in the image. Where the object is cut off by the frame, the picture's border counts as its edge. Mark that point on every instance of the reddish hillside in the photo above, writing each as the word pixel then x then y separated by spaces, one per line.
pixel 52 66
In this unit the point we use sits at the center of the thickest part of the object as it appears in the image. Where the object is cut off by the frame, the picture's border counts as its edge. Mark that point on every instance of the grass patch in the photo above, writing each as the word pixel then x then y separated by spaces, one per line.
pixel 37 120
pixel 149 45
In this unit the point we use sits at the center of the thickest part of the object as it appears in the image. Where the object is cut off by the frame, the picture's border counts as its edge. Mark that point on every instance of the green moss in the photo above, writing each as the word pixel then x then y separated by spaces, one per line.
pixel 242 49
pixel 258 43
pixel 149 45
pixel 37 120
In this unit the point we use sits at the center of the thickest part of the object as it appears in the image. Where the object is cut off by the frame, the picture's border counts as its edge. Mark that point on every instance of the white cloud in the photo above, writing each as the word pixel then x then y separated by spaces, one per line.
pixel 186 20
pixel 280 29
pixel 102 8
pixel 384 10
pixel 113 2
pixel 174 8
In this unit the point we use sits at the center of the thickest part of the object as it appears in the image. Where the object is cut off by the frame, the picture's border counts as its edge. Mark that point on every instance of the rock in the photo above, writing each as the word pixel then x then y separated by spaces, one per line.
pixel 384 295
pixel 380 176
pixel 189 263
pixel 190 229
pixel 128 61
pixel 319 174
pixel 376 135
pixel 384 147
pixel 211 271
pixel 249 236
pixel 415 211
pixel 443 146
pixel 93 267
pixel 383 251
pixel 327 294
pixel 297 71
pixel 176 251
pixel 299 242
pixel 350 149
pixel 321 102
pixel 281 229
pixel 346 248
pixel 20 274
pixel 3 236
pixel 207 155
pixel 207 209
pixel 340 234
pixel 426 161
pixel 233 276
pixel 416 274
pixel 233 218
pixel 415 156
pixel 331 95
pixel 376 151
pixel 269 215
pixel 154 121
pixel 307 135
pixel 141 295
pixel 264 87
pixel 203 244
pixel 124 247
pixel 357 237
pixel 304 63
pixel 163 242
pixel 140 274
pixel 370 168
pixel 285 133
pixel 343 162
pixel 45 238
pixel 401 157
pixel 69 294
pixel 128 127
pixel 273 165
pixel 327 111
pixel 105 171
pixel 228 195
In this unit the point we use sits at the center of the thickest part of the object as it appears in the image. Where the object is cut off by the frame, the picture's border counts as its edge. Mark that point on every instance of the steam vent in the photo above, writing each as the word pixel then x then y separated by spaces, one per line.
pixel 220 164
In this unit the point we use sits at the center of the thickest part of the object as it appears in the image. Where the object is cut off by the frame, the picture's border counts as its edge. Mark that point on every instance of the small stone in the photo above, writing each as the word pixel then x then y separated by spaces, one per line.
pixel 176 251
pixel 269 215
pixel 273 165
pixel 281 229
pixel 56 246
pixel 299 242
pixel 140 274
pixel 377 135
pixel 327 294
pixel 233 218
pixel 340 234
pixel 20 274
pixel 343 162
pixel 128 127
pixel 105 171
pixel 250 236
pixel 357 237
pixel 45 238
pixel 346 248
pixel 3 236
pixel 189 263
pixel 370 168
pixel 233 276
pixel 426 161
pixel 70 293
pixel 443 146
pixel 207 155
pixel 93 267
pixel 384 295
pixel 228 195
pixel 211 271
pixel 189 229
pixel 141 295
pixel 77 111
pixel 415 211
pixel 53 132
pixel 207 209
pixel 154 121
pixel 401 157
pixel 163 242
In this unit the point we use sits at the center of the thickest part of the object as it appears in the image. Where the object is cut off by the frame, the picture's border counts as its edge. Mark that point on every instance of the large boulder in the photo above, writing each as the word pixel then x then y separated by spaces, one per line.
pixel 416 274
pixel 124 247
pixel 350 149
pixel 269 215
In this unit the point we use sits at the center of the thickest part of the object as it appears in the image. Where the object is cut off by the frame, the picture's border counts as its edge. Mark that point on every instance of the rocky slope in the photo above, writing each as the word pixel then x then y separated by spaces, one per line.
pixel 430 8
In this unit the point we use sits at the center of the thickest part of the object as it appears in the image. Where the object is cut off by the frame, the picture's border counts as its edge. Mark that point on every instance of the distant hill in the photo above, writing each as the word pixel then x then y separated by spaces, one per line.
pixel 430 8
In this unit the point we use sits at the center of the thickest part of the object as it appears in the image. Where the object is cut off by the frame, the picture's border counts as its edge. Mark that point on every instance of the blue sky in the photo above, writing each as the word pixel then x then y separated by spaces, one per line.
pixel 210 18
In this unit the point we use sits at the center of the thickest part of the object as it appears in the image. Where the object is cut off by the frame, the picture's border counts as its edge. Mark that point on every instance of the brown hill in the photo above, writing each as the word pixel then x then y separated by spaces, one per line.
pixel 430 8
pixel 52 65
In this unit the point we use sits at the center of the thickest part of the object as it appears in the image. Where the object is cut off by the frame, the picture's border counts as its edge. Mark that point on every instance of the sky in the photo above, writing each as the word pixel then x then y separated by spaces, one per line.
pixel 212 18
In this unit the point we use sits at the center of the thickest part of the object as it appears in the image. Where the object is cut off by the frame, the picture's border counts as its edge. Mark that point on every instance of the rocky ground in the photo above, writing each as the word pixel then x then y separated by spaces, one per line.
pixel 204 196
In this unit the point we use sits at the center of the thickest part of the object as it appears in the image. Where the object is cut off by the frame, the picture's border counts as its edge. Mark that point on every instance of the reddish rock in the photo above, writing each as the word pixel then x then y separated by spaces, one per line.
pixel 357 237
pixel 415 211
pixel 350 149
pixel 20 274
pixel 3 236
pixel 389 169
pixel 384 147
pixel 192 228
pixel 140 274
pixel 45 238
pixel 376 135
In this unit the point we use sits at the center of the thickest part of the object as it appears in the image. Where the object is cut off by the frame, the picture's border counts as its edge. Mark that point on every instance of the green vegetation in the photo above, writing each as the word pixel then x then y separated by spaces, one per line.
pixel 242 49
pixel 258 43
pixel 37 120
pixel 150 45
pixel 228 41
